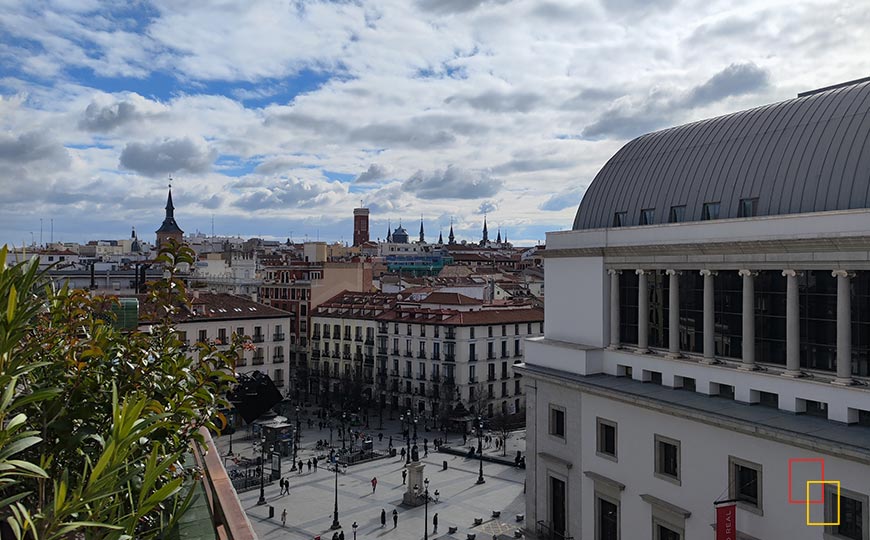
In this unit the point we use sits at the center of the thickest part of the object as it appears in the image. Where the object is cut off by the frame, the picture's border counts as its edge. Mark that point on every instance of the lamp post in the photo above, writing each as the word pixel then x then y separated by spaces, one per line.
pixel 262 500
pixel 408 438
pixel 335 523
pixel 426 509
pixel 480 479
pixel 329 423
pixel 298 424
pixel 232 425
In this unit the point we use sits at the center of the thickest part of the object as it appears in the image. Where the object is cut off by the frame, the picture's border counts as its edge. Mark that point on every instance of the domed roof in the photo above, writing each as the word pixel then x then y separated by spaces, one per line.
pixel 808 154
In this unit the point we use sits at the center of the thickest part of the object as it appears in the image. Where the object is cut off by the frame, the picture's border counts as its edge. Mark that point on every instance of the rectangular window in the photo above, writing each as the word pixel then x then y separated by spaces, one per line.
pixel 665 533
pixel 606 443
pixel 472 354
pixel 489 329
pixel 768 399
pixel 516 347
pixel 710 211
pixel 677 215
pixel 816 408
pixel 472 332
pixel 748 207
pixel 745 483
pixel 607 520
pixel 647 215
pixel 203 335
pixel 853 514
pixel 557 422
pixel 667 456
pixel 619 219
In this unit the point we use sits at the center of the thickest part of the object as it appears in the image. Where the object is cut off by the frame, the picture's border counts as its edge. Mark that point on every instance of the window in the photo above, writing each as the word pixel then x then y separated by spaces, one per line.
pixel 667 456
pixel 203 335
pixel 503 330
pixel 472 354
pixel 853 514
pixel 606 519
pixel 748 207
pixel 677 215
pixel 768 399
pixel 222 335
pixel 745 483
pixel 816 408
pixel 516 347
pixel 710 211
pixel 557 421
pixel 662 532
pixel 606 444
pixel 472 333
pixel 619 219
pixel 647 215
pixel 489 329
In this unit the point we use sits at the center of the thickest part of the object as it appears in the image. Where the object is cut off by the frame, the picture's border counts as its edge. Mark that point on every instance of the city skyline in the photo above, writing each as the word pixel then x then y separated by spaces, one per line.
pixel 449 109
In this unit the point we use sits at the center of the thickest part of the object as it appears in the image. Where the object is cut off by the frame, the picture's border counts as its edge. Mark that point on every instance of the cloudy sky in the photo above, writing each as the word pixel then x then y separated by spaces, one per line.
pixel 276 118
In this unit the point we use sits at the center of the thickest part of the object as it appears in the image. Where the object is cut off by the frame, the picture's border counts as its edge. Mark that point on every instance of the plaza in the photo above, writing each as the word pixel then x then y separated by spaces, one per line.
pixel 310 502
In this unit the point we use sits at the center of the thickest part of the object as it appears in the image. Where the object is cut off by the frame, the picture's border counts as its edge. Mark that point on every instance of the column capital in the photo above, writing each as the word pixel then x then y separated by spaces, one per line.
pixel 672 272
pixel 614 271
pixel 707 272
pixel 843 273
pixel 641 271
pixel 788 272
pixel 746 272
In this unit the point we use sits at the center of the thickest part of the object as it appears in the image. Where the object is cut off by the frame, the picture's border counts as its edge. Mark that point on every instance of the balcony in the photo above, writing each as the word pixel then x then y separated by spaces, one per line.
pixel 315 354
pixel 395 352
pixel 358 338
pixel 409 354
pixel 346 337
pixel 421 354
pixel 382 351
pixel 382 328
pixel 449 357
pixel 449 380
pixel 326 335
pixel 315 337
pixel 278 359
pixel 370 341
pixel 336 354
pixel 279 382
pixel 436 356
pixel 451 334
pixel 472 357
pixel 346 356
pixel 435 378
pixel 257 338
pixel 278 336
pixel 421 377
pixel 505 355
pixel 490 356
pixel 257 361
pixel 491 377
pixel 394 373
pixel 472 380
pixel 408 375
pixel 505 376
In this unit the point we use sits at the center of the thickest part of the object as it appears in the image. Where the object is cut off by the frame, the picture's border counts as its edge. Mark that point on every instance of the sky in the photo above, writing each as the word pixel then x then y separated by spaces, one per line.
pixel 277 118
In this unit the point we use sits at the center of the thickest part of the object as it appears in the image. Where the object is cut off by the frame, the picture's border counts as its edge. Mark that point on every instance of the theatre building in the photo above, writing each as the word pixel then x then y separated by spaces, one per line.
pixel 711 322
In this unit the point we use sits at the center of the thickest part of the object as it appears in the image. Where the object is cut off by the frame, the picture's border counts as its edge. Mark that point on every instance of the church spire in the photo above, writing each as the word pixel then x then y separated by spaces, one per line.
pixel 169 228
pixel 498 238
pixel 422 236
pixel 450 238
pixel 170 208
pixel 440 238
pixel 485 233
pixel 389 231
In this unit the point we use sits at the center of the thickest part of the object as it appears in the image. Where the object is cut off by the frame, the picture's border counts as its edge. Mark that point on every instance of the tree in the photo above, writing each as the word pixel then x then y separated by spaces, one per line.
pixel 95 422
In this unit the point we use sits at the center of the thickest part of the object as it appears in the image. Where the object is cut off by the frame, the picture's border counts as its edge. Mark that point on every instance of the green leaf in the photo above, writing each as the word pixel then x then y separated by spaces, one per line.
pixel 17 446
pixel 10 306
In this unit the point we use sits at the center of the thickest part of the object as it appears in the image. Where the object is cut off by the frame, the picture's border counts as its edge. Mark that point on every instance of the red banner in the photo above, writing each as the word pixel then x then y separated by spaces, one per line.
pixel 726 522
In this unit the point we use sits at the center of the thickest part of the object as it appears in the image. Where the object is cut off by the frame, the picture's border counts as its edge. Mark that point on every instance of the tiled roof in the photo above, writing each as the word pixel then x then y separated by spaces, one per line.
pixel 217 306
pixel 450 298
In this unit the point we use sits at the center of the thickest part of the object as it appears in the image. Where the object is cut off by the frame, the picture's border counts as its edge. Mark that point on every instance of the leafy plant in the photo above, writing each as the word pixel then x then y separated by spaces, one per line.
pixel 95 422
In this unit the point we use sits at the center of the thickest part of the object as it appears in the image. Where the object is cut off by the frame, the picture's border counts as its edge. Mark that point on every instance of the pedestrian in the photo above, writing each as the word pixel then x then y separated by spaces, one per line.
pixel 404 475
pixel 315 463
pixel 335 535
pixel 380 437
pixel 341 535
pixel 434 523
pixel 300 466
pixel 285 486
pixel 374 483
pixel 391 442
pixel 403 453
pixel 464 439
pixel 395 518
pixel 383 518
pixel 309 465
pixel 283 517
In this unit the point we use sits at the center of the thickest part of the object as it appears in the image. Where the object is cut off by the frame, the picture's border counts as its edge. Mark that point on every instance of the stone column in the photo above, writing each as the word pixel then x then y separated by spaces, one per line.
pixel 844 327
pixel 673 313
pixel 614 308
pixel 642 311
pixel 792 325
pixel 709 321
pixel 748 320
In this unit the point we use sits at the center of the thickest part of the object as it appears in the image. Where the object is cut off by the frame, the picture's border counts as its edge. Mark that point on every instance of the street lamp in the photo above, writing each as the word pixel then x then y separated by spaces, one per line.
pixel 335 523
pixel 480 479
pixel 408 437
pixel 426 509
pixel 343 430
pixel 262 500
pixel 298 425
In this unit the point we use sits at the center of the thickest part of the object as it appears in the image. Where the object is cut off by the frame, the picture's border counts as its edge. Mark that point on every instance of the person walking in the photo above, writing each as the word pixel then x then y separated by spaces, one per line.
pixel 341 535
pixel 383 518
pixel 380 437
pixel 395 518
pixel 284 517
pixel 391 442
pixel 315 463
pixel 404 475
pixel 434 523
pixel 374 483
pixel 309 465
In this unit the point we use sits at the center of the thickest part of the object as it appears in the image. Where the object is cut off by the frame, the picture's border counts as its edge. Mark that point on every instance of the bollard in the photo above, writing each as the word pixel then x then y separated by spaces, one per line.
pixel 470 536
pixel 452 530
pixel 444 465
pixel 518 533
pixel 478 521
pixel 496 514
pixel 521 517
pixel 271 511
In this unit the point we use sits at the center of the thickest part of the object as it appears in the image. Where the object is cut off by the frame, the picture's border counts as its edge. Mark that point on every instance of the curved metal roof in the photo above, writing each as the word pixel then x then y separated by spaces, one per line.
pixel 808 154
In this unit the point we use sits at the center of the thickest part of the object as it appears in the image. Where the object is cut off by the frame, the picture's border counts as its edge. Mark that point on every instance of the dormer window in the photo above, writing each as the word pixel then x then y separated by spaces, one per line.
pixel 748 207
pixel 710 211
pixel 647 215
pixel 619 219
pixel 678 214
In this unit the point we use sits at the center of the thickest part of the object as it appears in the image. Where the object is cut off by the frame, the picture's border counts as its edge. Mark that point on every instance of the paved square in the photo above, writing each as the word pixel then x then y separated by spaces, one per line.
pixel 310 502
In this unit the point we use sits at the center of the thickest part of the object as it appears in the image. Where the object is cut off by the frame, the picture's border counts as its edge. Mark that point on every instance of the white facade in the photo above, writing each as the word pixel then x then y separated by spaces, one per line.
pixel 721 409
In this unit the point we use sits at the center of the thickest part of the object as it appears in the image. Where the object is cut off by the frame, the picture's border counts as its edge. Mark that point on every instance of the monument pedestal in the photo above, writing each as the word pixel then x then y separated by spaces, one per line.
pixel 415 477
